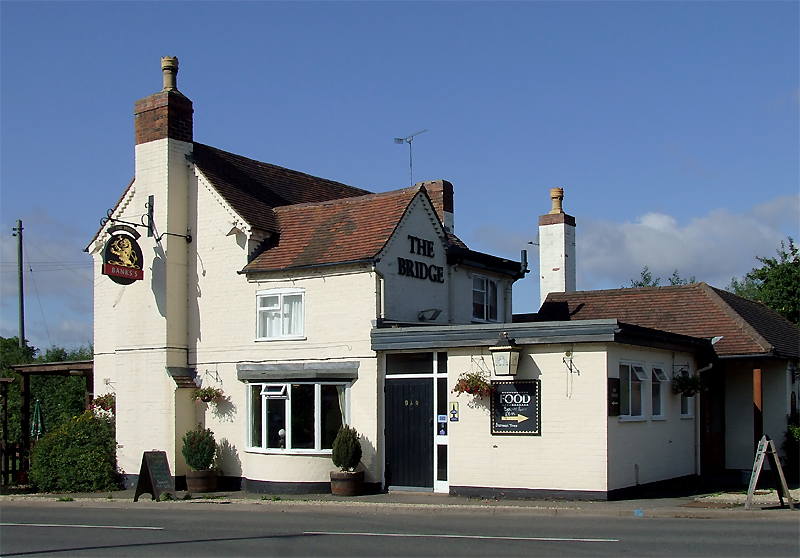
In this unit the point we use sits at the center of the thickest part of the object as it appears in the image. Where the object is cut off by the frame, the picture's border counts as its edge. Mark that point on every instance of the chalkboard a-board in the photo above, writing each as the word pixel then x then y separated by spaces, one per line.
pixel 154 476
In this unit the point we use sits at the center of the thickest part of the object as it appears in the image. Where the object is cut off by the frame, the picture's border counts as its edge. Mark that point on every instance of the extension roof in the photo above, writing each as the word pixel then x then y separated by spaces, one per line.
pixel 746 328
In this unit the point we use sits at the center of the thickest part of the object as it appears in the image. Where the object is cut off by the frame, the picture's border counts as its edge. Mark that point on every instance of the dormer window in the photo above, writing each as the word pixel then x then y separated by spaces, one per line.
pixel 485 301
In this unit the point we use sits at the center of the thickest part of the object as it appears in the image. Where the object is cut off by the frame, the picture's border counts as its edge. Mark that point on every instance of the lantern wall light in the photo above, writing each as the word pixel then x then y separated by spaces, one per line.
pixel 505 356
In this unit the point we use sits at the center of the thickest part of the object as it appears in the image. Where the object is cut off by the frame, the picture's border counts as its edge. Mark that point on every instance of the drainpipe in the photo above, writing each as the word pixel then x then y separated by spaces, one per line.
pixel 379 301
pixel 697 468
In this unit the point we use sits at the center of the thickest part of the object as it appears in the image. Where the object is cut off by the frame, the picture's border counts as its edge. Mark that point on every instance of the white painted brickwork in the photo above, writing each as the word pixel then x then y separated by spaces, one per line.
pixel 571 452
pixel 557 265
pixel 650 450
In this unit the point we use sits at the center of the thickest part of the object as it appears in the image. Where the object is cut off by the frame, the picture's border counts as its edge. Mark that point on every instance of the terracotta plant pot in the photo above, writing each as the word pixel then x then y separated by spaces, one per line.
pixel 201 481
pixel 345 483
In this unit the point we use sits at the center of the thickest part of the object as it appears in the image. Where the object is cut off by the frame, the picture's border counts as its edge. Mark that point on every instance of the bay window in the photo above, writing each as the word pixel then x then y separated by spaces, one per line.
pixel 295 417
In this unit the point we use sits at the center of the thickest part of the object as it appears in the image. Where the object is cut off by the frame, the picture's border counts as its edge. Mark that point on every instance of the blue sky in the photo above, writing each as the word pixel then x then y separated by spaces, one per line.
pixel 671 126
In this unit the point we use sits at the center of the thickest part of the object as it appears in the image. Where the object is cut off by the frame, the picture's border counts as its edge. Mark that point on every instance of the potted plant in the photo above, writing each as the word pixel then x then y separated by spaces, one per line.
pixel 199 449
pixel 472 383
pixel 346 455
pixel 686 385
pixel 207 394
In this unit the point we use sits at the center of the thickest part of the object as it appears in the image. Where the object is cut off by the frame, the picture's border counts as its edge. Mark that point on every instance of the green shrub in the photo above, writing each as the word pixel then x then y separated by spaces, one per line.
pixel 79 455
pixel 346 449
pixel 199 448
pixel 791 447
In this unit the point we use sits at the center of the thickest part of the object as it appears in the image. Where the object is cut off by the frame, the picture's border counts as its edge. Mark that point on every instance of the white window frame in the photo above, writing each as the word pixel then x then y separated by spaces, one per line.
pixel 687 406
pixel 263 313
pixel 658 384
pixel 625 387
pixel 277 391
pixel 486 302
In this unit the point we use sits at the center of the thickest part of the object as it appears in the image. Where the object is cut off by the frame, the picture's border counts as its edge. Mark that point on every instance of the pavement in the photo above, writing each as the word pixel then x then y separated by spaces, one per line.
pixel 686 504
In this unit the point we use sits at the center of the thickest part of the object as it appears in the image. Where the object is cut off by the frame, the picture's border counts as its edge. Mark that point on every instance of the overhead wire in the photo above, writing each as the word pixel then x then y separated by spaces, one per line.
pixel 38 298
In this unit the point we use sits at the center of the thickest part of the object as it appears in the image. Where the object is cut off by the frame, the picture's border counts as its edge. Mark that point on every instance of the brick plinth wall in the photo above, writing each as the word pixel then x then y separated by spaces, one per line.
pixel 167 114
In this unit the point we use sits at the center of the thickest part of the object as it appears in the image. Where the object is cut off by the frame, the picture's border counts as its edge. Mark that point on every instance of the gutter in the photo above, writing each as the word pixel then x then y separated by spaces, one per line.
pixel 371 261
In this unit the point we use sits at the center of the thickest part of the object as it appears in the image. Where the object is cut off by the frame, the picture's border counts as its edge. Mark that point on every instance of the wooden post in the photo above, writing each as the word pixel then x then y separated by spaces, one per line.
pixel 89 394
pixel 25 419
pixel 758 414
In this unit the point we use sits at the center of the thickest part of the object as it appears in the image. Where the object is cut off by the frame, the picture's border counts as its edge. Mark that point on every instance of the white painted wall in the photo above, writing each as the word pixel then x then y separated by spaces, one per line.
pixel 406 296
pixel 138 329
pixel 571 452
pixel 776 388
pixel 557 263
pixel 650 450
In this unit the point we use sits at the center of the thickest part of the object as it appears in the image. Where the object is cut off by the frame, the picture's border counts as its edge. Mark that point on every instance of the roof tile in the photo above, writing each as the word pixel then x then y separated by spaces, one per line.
pixel 746 327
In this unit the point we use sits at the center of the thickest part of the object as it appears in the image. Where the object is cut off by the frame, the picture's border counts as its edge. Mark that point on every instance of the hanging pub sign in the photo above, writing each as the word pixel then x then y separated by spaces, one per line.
pixel 122 256
pixel 515 408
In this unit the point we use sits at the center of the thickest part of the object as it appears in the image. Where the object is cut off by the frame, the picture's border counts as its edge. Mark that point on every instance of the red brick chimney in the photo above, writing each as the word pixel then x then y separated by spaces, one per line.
pixel 441 194
pixel 166 114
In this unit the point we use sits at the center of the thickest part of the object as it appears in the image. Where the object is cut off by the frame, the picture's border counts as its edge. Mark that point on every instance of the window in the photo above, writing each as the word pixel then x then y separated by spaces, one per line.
pixel 631 377
pixel 295 417
pixel 484 299
pixel 657 390
pixel 280 314
pixel 686 405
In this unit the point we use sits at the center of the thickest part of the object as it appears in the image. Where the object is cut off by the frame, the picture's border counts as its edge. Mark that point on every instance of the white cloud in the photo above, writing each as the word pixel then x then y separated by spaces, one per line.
pixel 714 248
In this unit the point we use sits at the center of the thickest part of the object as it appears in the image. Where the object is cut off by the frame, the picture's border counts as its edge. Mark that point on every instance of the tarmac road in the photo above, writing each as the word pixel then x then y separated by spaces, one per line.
pixel 98 527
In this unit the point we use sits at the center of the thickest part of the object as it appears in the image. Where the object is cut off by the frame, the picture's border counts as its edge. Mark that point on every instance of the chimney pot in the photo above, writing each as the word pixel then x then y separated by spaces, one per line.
pixel 557 196
pixel 169 67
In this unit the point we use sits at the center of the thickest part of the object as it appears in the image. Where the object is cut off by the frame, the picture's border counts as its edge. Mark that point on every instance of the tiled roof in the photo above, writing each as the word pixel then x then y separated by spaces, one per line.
pixel 254 188
pixel 747 328
pixel 346 230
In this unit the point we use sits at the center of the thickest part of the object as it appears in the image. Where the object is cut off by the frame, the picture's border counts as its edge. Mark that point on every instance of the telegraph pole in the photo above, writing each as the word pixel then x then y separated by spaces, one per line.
pixel 18 233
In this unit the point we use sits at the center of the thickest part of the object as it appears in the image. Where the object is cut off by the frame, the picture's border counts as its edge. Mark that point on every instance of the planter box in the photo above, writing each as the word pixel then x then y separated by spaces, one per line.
pixel 347 483
pixel 201 481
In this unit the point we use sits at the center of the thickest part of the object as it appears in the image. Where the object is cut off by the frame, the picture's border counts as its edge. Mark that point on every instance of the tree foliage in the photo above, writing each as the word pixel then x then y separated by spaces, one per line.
pixel 646 279
pixel 776 283
pixel 58 395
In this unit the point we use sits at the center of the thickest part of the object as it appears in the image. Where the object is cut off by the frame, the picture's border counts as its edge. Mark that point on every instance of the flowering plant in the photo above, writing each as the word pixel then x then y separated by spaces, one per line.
pixel 207 394
pixel 686 385
pixel 104 405
pixel 472 383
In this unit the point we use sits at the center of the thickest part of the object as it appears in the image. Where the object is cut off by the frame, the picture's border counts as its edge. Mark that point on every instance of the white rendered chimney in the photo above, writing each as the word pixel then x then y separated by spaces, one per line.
pixel 556 249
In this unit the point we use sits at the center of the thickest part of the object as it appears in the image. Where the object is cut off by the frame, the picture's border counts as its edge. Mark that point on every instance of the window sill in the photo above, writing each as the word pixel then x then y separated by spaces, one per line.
pixel 658 417
pixel 628 418
pixel 687 416
pixel 296 452
pixel 288 338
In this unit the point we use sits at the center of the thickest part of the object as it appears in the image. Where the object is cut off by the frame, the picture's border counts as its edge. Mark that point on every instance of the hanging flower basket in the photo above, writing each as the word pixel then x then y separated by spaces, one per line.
pixel 207 395
pixel 474 384
pixel 686 385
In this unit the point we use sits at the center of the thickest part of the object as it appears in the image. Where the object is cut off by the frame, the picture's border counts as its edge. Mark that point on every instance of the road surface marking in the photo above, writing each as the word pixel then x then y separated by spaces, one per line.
pixel 547 539
pixel 79 526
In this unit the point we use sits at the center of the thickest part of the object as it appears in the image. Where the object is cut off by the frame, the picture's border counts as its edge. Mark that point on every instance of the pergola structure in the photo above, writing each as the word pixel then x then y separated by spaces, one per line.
pixel 83 368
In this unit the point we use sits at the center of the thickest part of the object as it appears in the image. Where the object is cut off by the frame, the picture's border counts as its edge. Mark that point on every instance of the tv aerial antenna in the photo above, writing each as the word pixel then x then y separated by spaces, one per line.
pixel 408 140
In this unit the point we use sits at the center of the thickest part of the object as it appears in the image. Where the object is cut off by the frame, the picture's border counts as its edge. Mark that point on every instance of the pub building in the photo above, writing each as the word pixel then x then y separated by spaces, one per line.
pixel 311 303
